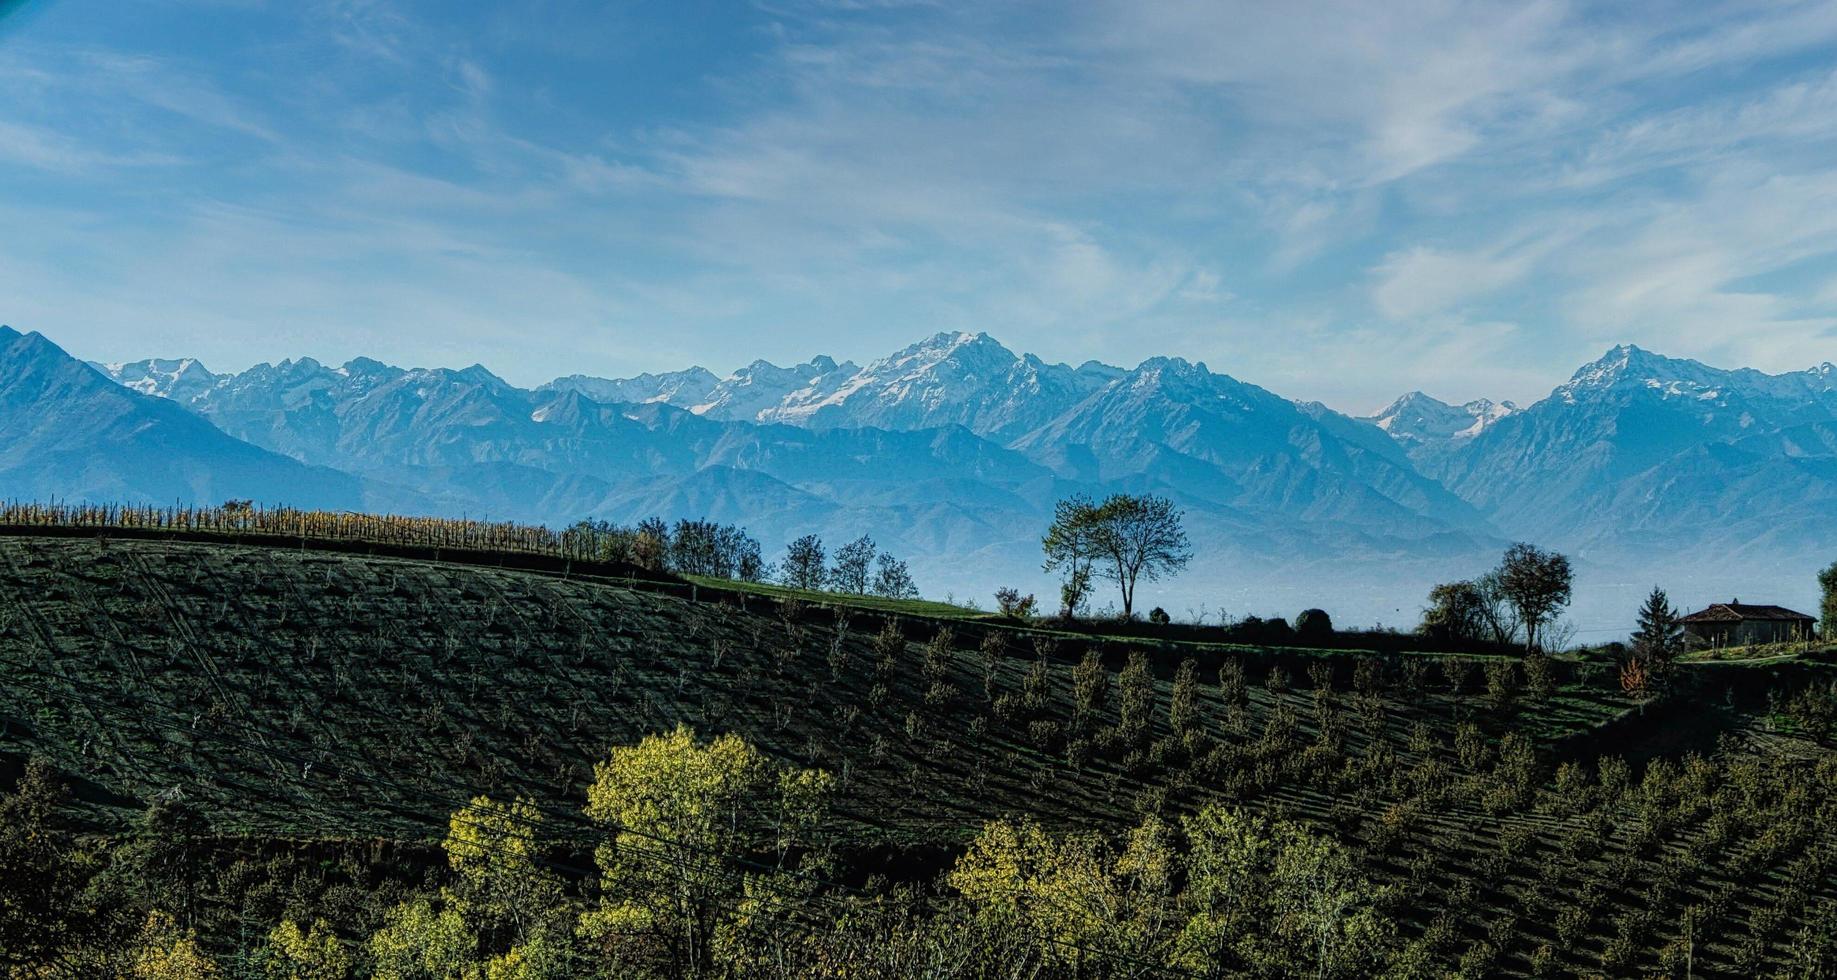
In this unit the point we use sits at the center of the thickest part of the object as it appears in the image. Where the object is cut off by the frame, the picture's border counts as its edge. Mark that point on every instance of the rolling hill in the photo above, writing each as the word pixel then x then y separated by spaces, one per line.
pixel 334 702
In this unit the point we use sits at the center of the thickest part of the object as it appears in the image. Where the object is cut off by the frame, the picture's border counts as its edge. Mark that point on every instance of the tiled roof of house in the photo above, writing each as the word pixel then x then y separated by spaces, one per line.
pixel 1734 612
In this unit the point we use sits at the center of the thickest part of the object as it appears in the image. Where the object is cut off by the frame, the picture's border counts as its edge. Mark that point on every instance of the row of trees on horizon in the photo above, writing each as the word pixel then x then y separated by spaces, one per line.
pixel 714 550
pixel 1123 540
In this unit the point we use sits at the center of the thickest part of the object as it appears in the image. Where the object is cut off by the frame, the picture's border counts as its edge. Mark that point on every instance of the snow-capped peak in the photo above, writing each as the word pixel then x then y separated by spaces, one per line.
pixel 1419 420
pixel 1626 365
pixel 683 389
pixel 180 379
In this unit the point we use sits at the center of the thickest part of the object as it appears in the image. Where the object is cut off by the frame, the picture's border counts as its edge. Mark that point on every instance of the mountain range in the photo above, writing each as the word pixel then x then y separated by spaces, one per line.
pixel 952 451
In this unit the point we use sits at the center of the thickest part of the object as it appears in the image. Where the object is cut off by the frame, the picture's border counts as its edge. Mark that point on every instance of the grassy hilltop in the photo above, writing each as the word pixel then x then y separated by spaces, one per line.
pixel 335 706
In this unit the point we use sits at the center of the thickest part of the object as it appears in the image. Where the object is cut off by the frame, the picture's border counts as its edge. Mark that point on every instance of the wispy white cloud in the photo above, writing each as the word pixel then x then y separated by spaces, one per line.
pixel 50 150
pixel 1423 281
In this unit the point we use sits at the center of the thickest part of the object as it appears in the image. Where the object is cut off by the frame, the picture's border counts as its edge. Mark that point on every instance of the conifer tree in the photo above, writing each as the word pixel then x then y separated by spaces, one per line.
pixel 1827 610
pixel 1659 636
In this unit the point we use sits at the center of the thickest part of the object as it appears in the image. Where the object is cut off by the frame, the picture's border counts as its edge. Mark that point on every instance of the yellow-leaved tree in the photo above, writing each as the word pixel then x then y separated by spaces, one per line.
pixel 1084 900
pixel 500 919
pixel 1269 897
pixel 707 839
pixel 1226 895
pixel 498 888
pixel 295 954
pixel 164 951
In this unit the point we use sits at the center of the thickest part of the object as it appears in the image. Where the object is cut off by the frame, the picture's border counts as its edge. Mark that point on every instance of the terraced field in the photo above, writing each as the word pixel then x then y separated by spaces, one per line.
pixel 316 695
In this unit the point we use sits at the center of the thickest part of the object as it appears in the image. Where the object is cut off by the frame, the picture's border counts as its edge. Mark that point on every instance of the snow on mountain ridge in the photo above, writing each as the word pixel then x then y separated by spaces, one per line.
pixel 180 379
pixel 690 386
pixel 1431 430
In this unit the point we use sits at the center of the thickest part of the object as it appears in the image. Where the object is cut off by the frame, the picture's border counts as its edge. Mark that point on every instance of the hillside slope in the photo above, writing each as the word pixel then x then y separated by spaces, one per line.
pixel 327 695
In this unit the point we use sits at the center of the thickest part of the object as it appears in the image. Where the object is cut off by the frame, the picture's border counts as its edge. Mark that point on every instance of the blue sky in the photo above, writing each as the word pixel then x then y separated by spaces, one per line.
pixel 1338 201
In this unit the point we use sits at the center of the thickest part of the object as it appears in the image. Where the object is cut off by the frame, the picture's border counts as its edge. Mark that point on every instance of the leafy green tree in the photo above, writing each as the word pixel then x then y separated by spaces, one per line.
pixel 1536 584
pixel 892 580
pixel 40 879
pixel 1314 625
pixel 1499 615
pixel 853 565
pixel 1454 614
pixel 805 564
pixel 1126 539
pixel 717 550
pixel 1070 547
pixel 691 822
pixel 541 958
pixel 1012 604
pixel 1273 899
pixel 497 886
pixel 161 866
pixel 1243 896
pixel 1138 539
pixel 1075 592
pixel 650 546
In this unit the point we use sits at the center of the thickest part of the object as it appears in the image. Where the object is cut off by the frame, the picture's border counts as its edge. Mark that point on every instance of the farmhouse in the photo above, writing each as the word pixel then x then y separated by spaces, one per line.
pixel 1736 623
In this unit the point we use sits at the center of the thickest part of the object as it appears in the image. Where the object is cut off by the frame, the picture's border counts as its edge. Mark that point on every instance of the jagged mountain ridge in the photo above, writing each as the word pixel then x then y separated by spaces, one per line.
pixel 958 440
pixel 1167 423
pixel 1604 461
pixel 1430 429
pixel 67 432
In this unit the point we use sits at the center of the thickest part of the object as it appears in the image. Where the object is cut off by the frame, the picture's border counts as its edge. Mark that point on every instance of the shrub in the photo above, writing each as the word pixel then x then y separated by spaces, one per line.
pixel 889 643
pixel 1009 602
pixel 1089 684
pixel 1182 704
pixel 1035 686
pixel 1159 616
pixel 1320 676
pixel 1136 698
pixel 1368 675
pixel 1539 675
pixel 1456 670
pixel 1502 685
pixel 1314 625
pixel 993 647
pixel 1231 686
